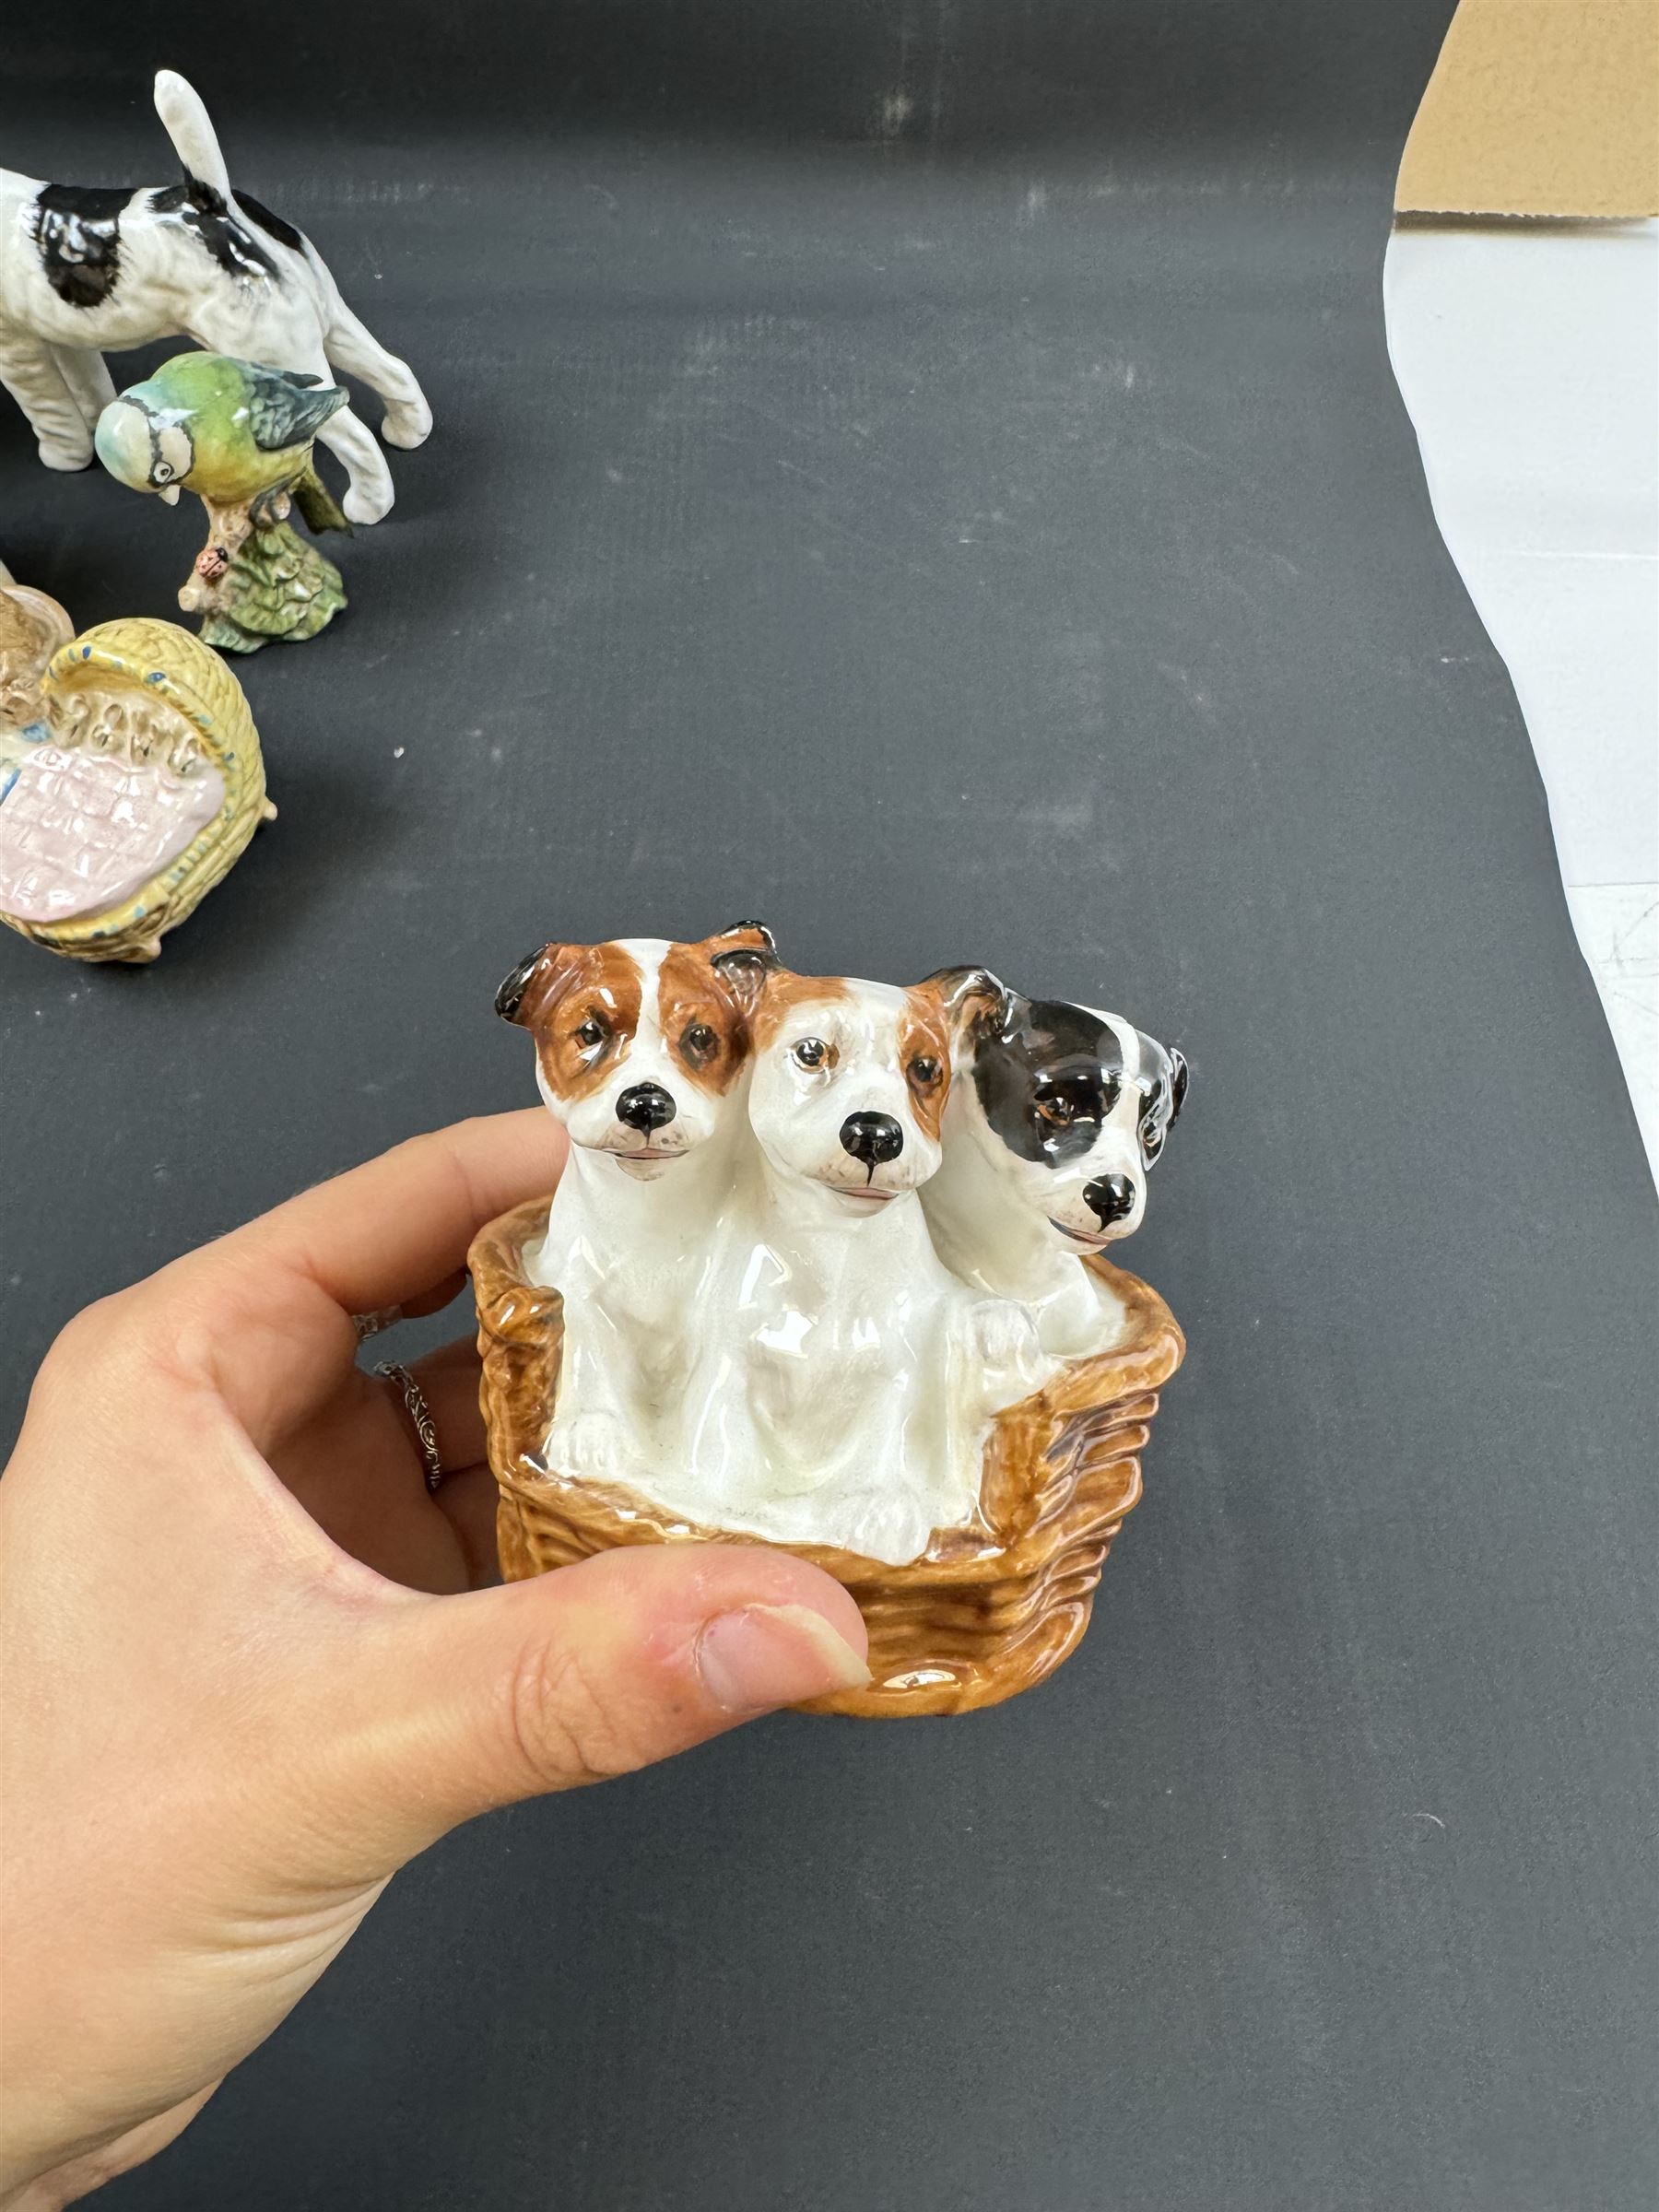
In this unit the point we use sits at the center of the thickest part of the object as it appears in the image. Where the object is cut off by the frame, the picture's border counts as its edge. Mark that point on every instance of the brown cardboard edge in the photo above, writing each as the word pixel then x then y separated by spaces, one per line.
pixel 1539 109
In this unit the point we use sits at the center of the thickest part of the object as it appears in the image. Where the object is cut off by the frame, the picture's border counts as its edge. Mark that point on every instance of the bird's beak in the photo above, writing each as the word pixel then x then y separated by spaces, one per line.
pixel 170 492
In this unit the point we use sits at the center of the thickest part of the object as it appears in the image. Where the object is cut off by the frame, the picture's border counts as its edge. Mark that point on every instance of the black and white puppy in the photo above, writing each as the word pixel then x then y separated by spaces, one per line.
pixel 1055 1119
pixel 84 269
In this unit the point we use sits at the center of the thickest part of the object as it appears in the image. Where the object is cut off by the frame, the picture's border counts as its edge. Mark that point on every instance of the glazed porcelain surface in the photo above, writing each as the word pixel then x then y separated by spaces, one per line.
pixel 32 627
pixel 816 1233
pixel 85 270
pixel 85 829
pixel 988 1610
pixel 133 788
pixel 1055 1117
pixel 240 436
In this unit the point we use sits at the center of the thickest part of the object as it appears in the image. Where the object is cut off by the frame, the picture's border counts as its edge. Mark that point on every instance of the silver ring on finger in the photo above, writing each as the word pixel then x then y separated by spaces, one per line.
pixel 420 1413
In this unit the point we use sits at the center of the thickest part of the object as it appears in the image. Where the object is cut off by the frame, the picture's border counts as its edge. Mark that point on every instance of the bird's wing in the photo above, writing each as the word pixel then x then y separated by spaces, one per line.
pixel 286 408
pixel 318 504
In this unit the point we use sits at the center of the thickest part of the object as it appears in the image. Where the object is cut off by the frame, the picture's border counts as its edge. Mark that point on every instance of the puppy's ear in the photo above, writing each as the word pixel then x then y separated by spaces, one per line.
pixel 747 933
pixel 745 968
pixel 524 995
pixel 1178 1082
pixel 973 998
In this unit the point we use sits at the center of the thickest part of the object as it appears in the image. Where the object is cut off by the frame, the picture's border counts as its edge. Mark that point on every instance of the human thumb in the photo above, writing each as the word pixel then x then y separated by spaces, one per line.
pixel 450 1706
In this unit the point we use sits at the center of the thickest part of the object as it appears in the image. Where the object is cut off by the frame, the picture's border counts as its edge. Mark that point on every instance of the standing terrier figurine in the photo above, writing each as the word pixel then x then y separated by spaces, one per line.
pixel 239 437
pixel 89 268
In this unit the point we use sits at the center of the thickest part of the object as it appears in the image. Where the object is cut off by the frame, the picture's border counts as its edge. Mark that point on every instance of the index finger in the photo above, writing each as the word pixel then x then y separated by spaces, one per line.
pixel 387 1230
pixel 263 1314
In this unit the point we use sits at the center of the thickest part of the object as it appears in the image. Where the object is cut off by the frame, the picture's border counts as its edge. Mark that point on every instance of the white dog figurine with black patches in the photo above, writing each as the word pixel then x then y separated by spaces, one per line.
pixel 85 270
pixel 1055 1120
pixel 642 1050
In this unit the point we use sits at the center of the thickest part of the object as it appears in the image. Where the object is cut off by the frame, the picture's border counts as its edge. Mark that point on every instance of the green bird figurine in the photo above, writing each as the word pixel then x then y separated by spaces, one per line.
pixel 240 436
pixel 232 432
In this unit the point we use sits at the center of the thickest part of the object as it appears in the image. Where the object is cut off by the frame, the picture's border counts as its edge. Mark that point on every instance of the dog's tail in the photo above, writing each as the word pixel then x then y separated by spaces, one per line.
pixel 184 119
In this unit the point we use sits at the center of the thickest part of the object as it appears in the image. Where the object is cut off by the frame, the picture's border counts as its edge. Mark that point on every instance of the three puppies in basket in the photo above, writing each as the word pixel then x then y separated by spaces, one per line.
pixel 815 1231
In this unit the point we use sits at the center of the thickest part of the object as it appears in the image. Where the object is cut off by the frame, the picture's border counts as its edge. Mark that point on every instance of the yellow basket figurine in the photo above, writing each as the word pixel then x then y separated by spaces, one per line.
pixel 134 793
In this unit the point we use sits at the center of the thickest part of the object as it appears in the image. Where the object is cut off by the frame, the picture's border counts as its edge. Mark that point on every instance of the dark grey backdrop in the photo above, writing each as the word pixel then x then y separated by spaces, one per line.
pixel 931 476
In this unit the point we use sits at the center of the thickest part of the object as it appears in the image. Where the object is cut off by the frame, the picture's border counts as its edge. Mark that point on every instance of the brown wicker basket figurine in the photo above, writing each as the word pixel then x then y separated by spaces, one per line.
pixel 984 1613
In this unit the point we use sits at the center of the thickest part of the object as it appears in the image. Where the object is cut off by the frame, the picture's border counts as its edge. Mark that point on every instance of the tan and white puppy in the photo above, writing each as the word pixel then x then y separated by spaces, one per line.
pixel 850 1082
pixel 642 1053
pixel 1056 1116
pixel 870 1371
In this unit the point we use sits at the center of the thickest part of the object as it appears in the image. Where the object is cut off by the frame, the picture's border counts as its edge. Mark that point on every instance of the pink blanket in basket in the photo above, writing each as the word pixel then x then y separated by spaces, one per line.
pixel 81 832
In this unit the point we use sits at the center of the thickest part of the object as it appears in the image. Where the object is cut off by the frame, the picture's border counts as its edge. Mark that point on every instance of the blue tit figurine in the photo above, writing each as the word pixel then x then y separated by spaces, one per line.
pixel 239 435
pixel 234 433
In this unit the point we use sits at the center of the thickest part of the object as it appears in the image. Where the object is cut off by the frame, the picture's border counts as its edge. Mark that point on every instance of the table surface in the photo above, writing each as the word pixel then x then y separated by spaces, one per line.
pixel 940 485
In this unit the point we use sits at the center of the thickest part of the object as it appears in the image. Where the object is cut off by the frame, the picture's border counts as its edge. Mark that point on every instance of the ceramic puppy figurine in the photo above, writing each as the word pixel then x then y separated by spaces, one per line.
pixel 85 270
pixel 1057 1117
pixel 754 1319
pixel 870 1371
pixel 643 1050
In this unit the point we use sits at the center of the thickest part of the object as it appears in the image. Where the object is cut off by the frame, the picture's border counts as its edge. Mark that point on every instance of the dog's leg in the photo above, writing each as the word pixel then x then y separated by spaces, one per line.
pixel 370 495
pixel 91 386
pixel 293 340
pixel 355 350
pixel 289 335
pixel 353 443
pixel 29 370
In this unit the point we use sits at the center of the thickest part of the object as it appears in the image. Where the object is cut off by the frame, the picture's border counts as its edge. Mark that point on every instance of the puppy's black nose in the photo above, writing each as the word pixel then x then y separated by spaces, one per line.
pixel 872 1137
pixel 646 1107
pixel 1110 1200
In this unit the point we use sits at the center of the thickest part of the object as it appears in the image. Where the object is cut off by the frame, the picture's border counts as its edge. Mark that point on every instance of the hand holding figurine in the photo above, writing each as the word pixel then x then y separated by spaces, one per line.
pixel 236 1605
pixel 828 1270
